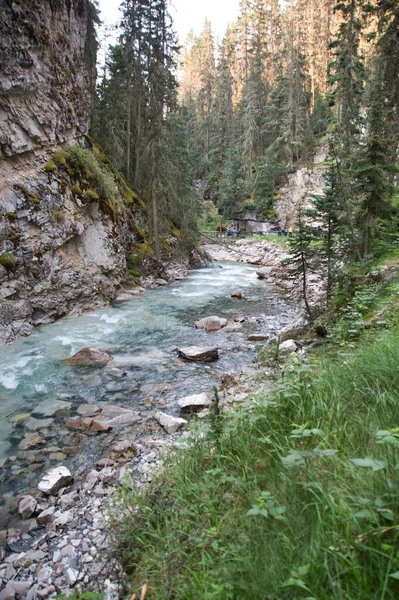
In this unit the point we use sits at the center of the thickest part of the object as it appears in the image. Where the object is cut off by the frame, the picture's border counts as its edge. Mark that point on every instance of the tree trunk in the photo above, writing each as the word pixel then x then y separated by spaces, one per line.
pixel 155 211
pixel 304 286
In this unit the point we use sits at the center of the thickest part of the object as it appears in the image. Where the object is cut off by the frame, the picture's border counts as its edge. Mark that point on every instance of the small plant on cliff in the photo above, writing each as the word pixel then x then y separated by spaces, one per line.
pixel 58 216
pixel 28 195
pixel 50 167
pixel 8 260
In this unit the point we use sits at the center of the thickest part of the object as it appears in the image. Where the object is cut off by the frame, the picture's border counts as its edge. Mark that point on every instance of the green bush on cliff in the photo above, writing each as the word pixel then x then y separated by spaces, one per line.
pixel 86 166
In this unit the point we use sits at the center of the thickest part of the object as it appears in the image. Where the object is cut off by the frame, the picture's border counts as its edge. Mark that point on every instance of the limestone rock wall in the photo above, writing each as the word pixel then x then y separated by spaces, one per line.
pixel 47 73
pixel 307 180
pixel 59 253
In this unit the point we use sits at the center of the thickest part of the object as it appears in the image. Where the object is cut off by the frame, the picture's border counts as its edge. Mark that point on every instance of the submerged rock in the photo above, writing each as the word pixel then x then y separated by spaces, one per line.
pixel 55 480
pixel 50 408
pixel 194 403
pixel 88 357
pixel 195 353
pixel 169 423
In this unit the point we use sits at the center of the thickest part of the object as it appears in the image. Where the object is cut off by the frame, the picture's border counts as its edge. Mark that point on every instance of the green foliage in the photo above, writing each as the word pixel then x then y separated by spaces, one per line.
pixel 60 159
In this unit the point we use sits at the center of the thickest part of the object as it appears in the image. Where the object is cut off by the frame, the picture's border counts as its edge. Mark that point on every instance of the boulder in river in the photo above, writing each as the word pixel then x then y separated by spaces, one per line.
pixel 55 480
pixel 237 293
pixel 26 506
pixel 169 423
pixel 194 403
pixel 195 353
pixel 264 272
pixel 88 357
pixel 212 323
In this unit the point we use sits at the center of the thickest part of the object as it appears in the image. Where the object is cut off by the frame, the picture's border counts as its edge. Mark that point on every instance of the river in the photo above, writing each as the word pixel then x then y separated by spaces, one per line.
pixel 141 335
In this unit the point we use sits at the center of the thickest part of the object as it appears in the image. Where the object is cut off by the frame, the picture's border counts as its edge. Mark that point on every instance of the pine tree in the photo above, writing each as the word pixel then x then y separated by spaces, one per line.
pixel 326 212
pixel 300 249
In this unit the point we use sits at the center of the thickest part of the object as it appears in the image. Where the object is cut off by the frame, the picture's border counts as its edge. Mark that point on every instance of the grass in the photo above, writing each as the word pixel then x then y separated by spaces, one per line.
pixel 295 495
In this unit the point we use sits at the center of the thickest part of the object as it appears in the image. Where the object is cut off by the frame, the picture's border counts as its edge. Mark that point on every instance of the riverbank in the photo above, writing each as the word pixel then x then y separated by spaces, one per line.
pixel 61 543
pixel 272 259
pixel 295 492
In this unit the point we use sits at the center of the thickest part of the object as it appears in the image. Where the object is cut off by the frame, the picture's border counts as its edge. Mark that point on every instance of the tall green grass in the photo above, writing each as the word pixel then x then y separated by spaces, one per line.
pixel 296 497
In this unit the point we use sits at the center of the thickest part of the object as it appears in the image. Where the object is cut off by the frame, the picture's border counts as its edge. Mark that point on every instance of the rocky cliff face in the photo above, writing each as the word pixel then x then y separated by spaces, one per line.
pixel 62 245
pixel 307 180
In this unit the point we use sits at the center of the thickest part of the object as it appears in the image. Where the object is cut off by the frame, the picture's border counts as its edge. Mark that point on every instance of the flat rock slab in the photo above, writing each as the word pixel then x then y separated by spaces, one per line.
pixel 212 323
pixel 195 353
pixel 194 403
pixel 34 424
pixel 258 337
pixel 112 415
pixel 55 480
pixel 49 408
pixel 88 424
pixel 88 410
pixel 169 423
pixel 88 357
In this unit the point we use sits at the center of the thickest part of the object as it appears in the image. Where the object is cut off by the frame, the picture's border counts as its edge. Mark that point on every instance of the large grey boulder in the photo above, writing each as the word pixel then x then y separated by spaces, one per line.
pixel 169 423
pixel 212 323
pixel 55 480
pixel 194 403
pixel 88 357
pixel 288 347
pixel 195 353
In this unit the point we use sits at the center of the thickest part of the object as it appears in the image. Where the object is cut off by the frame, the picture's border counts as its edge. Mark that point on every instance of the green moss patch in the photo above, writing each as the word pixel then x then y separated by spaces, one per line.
pixel 28 195
pixel 8 260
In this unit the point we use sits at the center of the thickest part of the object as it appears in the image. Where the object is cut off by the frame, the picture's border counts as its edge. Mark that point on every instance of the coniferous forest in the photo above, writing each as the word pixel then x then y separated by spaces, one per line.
pixel 286 78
